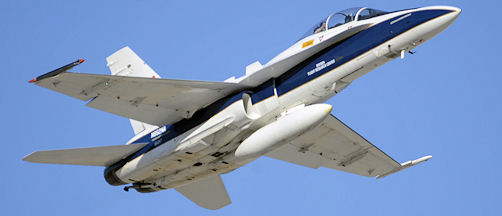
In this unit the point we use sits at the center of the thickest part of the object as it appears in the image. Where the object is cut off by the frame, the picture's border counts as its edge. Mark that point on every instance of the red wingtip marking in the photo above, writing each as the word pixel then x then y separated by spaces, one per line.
pixel 81 60
pixel 32 80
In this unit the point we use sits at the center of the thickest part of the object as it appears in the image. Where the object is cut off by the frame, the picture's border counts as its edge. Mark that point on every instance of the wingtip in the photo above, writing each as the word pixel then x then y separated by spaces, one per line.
pixel 405 165
pixel 57 71
pixel 27 157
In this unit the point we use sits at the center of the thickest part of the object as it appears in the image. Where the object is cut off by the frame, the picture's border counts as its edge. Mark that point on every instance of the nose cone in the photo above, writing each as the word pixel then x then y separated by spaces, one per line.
pixel 454 9
pixel 437 19
pixel 455 12
pixel 449 8
pixel 447 19
pixel 450 13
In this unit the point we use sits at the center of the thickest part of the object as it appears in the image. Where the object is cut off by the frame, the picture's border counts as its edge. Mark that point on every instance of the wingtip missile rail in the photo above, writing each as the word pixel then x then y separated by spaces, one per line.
pixel 57 71
pixel 405 165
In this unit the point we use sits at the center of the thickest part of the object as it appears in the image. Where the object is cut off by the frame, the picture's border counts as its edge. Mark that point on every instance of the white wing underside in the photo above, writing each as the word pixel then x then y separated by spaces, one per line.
pixel 334 145
pixel 209 192
pixel 153 101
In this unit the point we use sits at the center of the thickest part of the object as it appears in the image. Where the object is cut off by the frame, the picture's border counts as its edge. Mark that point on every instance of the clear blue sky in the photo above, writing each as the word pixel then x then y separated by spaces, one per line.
pixel 445 101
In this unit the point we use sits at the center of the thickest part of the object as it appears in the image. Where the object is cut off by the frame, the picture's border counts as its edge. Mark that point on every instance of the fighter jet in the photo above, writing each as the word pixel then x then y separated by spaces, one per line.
pixel 188 133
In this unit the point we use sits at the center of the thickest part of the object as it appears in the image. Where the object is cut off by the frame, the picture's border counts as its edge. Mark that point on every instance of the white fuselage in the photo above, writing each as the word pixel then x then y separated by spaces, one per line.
pixel 209 148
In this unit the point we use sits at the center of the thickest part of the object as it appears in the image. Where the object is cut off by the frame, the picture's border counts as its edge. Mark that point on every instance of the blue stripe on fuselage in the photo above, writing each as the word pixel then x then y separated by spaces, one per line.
pixel 341 52
pixel 263 91
pixel 351 48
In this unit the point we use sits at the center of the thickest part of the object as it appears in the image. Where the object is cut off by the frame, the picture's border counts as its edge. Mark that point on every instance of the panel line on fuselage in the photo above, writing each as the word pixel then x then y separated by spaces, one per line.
pixel 283 85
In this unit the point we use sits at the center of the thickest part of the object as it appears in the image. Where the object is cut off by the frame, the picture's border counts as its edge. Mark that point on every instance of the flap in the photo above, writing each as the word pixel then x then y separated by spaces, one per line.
pixel 209 192
pixel 153 101
pixel 334 145
pixel 94 156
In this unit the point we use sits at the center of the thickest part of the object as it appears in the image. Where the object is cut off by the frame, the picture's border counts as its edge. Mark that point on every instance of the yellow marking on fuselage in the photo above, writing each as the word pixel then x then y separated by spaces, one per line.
pixel 308 43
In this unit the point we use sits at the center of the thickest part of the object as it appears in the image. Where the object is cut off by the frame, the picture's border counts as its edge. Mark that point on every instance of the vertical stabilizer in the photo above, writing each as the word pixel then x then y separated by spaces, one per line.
pixel 138 126
pixel 126 63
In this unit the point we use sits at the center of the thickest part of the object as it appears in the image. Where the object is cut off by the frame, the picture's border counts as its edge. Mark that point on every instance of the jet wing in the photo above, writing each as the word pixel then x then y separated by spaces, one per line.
pixel 94 156
pixel 153 101
pixel 334 145
pixel 209 192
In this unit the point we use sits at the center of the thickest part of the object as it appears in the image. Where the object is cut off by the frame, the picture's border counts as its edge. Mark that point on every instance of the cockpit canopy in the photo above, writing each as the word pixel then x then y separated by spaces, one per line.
pixel 343 17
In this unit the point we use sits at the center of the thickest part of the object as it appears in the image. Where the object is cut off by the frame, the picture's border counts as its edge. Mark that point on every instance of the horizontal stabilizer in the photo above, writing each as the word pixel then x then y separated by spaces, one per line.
pixel 94 156
pixel 209 192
